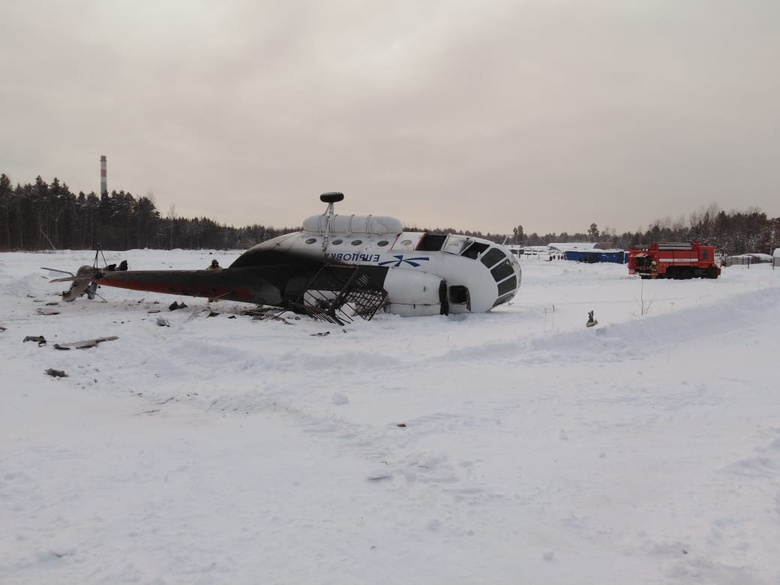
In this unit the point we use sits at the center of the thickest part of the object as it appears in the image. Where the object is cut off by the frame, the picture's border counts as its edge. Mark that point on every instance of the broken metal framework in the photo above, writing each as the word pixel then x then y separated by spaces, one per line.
pixel 338 293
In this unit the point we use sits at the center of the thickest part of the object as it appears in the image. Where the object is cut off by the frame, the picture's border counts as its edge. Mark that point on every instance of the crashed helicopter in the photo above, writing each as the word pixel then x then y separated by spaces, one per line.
pixel 339 267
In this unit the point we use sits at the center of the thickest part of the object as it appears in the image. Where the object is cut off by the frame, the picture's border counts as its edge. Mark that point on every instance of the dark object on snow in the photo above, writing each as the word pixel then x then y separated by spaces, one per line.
pixel 114 267
pixel 84 344
pixel 2 328
pixel 39 338
pixel 56 373
pixel 591 321
pixel 163 322
pixel 174 306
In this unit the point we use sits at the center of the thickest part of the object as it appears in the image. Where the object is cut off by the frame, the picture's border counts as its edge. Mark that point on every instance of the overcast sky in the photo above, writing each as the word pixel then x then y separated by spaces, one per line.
pixel 472 114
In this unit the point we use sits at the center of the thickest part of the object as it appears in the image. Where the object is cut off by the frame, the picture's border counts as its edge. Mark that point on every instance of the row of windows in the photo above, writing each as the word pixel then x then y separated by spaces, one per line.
pixel 503 273
pixel 338 242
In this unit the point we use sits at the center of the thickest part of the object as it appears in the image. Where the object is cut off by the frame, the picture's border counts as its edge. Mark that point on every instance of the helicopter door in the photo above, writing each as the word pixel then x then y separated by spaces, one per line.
pixel 459 295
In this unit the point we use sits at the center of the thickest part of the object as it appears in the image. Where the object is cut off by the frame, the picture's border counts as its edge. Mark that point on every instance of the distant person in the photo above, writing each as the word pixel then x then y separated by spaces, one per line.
pixel 214 266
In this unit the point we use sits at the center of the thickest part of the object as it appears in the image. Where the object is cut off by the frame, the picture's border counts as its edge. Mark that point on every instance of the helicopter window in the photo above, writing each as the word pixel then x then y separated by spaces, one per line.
pixel 503 299
pixel 494 256
pixel 509 284
pixel 356 242
pixel 337 242
pixel 382 243
pixel 474 250
pixel 502 270
pixel 459 294
pixel 311 240
pixel 431 242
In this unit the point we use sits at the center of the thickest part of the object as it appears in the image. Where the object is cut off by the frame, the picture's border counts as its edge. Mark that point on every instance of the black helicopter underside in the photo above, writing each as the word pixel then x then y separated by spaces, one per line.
pixel 327 291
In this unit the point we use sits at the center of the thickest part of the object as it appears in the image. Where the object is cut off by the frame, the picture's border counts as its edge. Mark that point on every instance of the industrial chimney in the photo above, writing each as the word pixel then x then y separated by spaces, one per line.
pixel 103 177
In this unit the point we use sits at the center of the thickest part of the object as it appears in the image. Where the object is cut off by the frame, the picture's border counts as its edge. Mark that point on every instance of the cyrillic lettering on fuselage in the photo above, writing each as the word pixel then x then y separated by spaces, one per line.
pixel 352 257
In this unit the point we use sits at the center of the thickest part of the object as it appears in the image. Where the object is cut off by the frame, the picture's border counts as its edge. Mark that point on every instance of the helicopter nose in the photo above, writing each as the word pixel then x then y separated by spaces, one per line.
pixel 508 276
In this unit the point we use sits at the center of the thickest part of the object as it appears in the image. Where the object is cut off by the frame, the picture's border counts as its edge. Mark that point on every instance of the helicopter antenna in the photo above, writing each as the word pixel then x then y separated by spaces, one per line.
pixel 331 199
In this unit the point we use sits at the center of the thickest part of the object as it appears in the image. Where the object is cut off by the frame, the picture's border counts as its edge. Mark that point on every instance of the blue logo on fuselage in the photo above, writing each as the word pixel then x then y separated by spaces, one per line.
pixel 400 260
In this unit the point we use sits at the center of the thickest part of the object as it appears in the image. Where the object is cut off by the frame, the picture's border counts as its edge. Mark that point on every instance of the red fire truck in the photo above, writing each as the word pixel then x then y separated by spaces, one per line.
pixel 674 260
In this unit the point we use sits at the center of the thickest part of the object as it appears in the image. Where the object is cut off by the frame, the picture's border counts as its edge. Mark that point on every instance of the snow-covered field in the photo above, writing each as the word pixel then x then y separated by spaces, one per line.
pixel 516 446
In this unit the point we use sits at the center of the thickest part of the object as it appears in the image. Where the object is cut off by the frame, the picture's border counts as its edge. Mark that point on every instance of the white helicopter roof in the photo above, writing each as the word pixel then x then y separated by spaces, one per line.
pixel 353 224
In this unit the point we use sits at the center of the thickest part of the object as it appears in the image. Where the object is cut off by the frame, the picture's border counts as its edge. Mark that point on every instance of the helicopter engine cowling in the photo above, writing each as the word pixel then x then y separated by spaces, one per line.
pixel 411 293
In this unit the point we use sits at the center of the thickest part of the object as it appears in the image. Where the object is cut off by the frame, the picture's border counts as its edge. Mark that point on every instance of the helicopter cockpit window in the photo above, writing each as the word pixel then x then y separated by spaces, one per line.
pixel 311 240
pixel 493 257
pixel 431 242
pixel 474 250
pixel 502 270
pixel 509 285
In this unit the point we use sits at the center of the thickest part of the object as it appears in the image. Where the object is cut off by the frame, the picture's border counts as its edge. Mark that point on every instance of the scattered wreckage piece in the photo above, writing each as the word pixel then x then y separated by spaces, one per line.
pixel 56 373
pixel 85 281
pixel 80 282
pixel 338 294
pixel 39 339
pixel 85 343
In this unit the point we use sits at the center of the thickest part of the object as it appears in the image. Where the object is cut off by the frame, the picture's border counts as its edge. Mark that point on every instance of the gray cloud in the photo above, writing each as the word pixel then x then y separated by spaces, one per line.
pixel 478 115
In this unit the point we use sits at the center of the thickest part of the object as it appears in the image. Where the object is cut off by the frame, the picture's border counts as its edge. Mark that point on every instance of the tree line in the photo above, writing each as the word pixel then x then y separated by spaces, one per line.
pixel 734 232
pixel 41 215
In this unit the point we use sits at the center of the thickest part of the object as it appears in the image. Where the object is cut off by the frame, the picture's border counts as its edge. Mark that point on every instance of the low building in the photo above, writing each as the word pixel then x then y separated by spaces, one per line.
pixel 592 256
pixel 748 259
pixel 589 252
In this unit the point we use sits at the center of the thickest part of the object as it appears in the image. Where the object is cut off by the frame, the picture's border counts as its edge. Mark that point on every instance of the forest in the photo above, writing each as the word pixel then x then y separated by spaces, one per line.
pixel 48 216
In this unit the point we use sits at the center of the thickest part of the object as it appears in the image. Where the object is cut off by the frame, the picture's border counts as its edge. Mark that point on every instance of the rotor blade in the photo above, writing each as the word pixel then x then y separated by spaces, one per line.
pixel 57 270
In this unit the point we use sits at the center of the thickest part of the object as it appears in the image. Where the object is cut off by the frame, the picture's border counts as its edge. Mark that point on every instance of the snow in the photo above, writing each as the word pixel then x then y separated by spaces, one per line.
pixel 516 446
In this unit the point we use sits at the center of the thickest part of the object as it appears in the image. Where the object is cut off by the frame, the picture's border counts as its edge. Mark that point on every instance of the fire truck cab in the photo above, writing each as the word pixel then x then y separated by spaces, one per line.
pixel 674 260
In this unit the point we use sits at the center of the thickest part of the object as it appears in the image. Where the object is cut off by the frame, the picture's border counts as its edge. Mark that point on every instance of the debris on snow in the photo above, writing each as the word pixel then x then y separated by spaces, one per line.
pixel 84 344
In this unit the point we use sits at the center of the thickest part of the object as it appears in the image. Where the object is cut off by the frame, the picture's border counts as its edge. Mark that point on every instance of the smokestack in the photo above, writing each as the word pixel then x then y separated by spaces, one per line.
pixel 103 177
